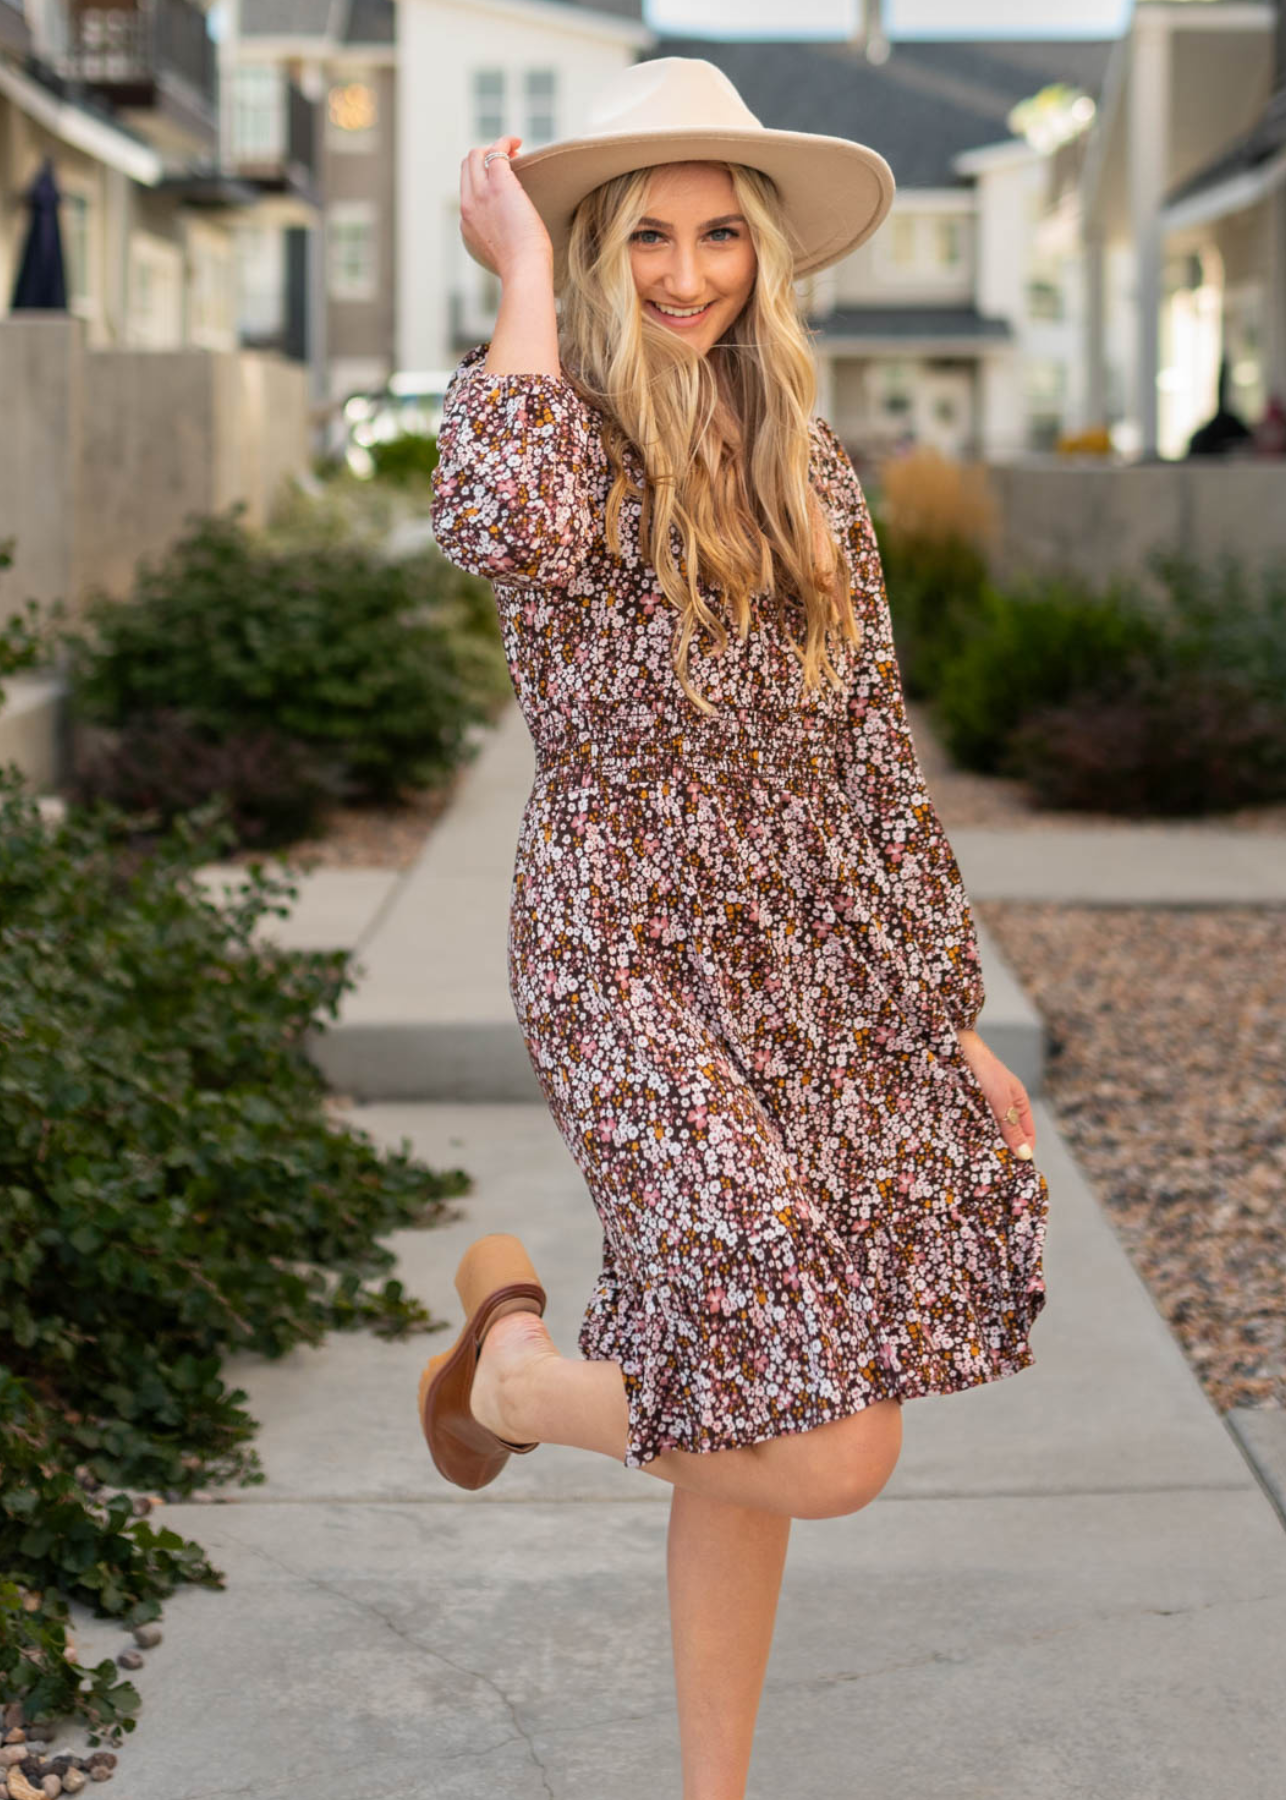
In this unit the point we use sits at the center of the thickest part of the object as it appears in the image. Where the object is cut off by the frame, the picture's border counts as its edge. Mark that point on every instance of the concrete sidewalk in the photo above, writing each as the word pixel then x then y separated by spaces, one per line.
pixel 1073 1588
pixel 1073 1585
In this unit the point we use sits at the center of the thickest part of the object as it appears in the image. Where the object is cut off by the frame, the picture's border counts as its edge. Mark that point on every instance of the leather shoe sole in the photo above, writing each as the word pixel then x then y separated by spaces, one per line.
pixel 492 1270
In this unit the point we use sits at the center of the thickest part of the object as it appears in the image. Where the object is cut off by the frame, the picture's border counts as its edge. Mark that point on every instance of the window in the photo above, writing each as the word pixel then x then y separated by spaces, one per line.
pixel 261 279
pixel 155 319
pixel 211 295
pixel 351 272
pixel 895 386
pixel 1044 300
pixel 74 218
pixel 258 114
pixel 904 241
pixel 949 242
pixel 540 94
pixel 924 243
pixel 488 104
pixel 352 116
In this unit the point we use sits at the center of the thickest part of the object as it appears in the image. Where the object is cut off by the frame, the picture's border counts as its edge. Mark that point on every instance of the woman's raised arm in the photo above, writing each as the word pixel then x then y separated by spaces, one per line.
pixel 520 455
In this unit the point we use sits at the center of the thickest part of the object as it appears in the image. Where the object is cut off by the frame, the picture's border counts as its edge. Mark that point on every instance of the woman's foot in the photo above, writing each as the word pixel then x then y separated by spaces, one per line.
pixel 514 1343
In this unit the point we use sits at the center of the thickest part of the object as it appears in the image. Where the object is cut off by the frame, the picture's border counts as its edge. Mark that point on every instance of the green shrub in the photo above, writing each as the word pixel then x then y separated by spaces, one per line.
pixel 1125 702
pixel 1182 742
pixel 173 1186
pixel 1032 648
pixel 361 661
pixel 410 458
pixel 274 788
pixel 935 588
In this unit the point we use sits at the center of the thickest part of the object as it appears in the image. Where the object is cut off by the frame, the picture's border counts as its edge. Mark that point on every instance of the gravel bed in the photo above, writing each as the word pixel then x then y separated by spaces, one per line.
pixel 1167 1074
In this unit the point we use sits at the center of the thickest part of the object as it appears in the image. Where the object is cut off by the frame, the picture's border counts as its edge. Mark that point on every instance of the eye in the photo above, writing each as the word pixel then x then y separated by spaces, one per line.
pixel 725 231
pixel 647 231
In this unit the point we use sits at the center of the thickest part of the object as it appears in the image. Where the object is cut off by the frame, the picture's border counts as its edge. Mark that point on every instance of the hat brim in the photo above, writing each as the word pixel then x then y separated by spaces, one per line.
pixel 835 193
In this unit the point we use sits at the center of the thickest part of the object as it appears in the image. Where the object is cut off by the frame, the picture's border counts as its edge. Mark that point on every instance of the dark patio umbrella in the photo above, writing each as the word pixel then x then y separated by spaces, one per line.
pixel 41 281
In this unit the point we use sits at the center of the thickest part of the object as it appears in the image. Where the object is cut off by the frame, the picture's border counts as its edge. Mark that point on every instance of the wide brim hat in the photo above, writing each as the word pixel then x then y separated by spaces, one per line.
pixel 835 193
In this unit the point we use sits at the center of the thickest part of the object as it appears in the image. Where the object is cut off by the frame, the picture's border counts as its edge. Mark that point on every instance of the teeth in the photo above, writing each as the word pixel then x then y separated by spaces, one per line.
pixel 679 312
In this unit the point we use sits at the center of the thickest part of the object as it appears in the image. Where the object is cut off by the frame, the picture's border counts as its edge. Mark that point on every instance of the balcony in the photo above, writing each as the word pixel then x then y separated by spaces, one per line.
pixel 274 133
pixel 15 33
pixel 155 62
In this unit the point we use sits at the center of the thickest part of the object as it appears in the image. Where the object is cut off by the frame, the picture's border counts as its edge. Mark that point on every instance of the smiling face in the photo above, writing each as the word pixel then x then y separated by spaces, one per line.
pixel 691 252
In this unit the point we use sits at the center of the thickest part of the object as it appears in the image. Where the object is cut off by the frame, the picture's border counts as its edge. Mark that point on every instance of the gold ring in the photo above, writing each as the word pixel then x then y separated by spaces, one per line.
pixel 1012 1115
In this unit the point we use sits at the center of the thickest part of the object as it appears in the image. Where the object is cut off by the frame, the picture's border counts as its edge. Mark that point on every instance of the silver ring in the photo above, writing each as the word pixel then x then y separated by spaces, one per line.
pixel 490 153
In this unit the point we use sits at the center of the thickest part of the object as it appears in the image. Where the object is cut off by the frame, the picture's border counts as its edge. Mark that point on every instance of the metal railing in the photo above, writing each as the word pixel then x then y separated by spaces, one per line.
pixel 130 46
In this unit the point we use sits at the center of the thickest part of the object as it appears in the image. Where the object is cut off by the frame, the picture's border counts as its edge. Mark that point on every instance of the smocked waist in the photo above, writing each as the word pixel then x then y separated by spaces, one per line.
pixel 795 747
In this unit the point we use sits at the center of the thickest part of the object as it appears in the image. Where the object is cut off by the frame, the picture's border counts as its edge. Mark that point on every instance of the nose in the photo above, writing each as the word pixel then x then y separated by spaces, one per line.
pixel 683 282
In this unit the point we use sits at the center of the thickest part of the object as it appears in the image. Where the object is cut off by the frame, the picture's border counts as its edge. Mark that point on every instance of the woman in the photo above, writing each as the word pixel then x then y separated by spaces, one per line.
pixel 740 950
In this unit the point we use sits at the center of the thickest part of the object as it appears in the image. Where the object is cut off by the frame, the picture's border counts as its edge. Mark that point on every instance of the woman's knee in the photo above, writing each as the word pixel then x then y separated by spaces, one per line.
pixel 849 1460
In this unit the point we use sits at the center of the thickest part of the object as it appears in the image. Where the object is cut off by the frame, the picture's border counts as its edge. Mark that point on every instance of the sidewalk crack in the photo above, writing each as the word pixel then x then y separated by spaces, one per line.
pixel 381 1617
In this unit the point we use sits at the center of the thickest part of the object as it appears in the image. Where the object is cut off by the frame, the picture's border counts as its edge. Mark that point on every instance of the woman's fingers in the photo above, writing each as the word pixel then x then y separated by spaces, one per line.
pixel 1019 1133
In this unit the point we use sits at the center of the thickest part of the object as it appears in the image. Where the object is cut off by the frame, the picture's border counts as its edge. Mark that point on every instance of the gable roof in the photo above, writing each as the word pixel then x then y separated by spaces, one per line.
pixel 931 100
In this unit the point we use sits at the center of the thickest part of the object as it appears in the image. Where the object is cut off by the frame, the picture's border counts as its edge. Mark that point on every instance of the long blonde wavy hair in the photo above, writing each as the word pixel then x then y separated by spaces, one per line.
pixel 723 437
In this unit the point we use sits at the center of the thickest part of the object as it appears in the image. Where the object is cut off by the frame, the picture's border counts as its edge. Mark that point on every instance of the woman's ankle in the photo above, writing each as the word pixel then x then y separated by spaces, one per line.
pixel 514 1345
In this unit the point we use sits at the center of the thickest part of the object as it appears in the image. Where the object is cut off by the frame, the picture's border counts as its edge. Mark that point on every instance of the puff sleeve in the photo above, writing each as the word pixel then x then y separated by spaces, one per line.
pixel 883 780
pixel 517 489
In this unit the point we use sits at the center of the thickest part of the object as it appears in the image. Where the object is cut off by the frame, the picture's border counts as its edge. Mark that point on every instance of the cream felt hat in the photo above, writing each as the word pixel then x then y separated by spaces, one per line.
pixel 835 193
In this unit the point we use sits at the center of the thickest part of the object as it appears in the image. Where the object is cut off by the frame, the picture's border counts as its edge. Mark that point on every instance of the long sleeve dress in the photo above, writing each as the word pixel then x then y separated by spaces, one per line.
pixel 739 952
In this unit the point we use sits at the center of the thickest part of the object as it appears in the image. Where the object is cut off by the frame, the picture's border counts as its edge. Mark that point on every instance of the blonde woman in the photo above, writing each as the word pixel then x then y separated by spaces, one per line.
pixel 740 951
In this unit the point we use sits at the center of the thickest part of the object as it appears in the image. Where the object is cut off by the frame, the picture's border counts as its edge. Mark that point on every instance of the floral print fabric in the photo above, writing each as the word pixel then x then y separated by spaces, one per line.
pixel 739 950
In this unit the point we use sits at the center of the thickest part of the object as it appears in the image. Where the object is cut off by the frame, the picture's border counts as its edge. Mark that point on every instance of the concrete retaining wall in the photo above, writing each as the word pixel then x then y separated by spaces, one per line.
pixel 104 455
pixel 1098 520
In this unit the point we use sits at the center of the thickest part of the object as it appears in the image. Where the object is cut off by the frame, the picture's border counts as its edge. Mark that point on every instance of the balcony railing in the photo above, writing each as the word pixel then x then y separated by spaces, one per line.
pixel 15 33
pixel 274 132
pixel 130 50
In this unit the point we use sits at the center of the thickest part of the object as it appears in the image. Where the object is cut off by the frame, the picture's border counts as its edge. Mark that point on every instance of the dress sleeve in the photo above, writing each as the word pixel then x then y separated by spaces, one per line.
pixel 883 779
pixel 516 489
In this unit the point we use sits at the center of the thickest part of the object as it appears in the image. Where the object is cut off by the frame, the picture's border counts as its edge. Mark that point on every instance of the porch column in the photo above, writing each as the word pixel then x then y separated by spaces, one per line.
pixel 1149 152
pixel 1275 322
pixel 1094 398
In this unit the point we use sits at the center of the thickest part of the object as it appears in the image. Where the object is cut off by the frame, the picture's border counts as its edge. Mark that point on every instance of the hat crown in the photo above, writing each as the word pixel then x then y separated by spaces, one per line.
pixel 670 93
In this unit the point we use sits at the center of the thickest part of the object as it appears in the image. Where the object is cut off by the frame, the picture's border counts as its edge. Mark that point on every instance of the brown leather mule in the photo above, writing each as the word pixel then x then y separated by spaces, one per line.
pixel 492 1270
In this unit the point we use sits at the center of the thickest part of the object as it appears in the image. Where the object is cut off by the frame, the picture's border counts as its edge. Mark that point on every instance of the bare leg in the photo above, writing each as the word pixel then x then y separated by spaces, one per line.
pixel 724 1566
pixel 527 1392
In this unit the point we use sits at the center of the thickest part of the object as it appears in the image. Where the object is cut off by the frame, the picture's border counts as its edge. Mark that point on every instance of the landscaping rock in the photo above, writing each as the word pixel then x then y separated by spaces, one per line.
pixel 74 1780
pixel 12 1753
pixel 12 1714
pixel 147 1637
pixel 51 1786
pixel 20 1788
pixel 15 1735
pixel 130 1659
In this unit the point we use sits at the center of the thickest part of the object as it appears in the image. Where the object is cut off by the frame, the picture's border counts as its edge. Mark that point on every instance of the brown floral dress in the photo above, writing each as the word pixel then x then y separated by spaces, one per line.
pixel 739 950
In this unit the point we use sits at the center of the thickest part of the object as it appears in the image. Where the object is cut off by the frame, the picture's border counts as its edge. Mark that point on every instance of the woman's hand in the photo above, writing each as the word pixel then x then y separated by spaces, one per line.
pixel 498 223
pixel 1003 1090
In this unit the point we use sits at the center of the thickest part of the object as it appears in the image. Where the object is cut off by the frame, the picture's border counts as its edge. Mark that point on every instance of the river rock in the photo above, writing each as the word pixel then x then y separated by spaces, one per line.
pixel 20 1788
pixel 147 1637
pixel 74 1780
pixel 52 1786
pixel 130 1659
